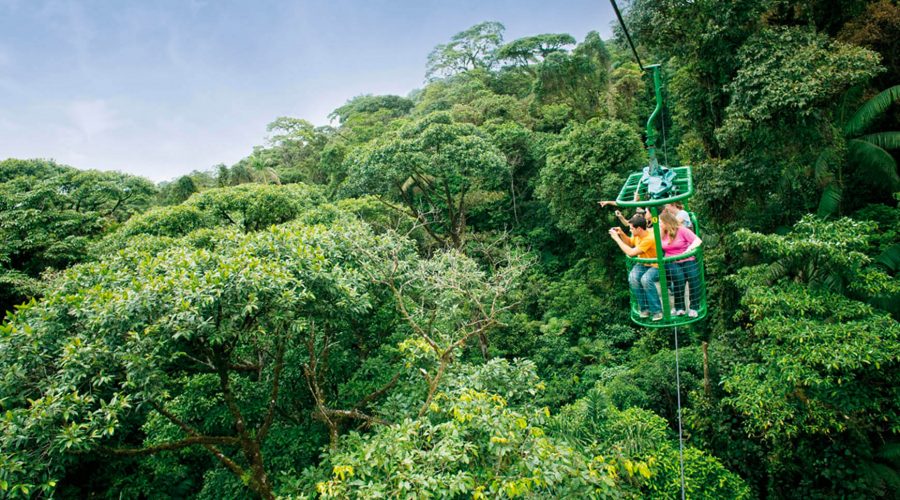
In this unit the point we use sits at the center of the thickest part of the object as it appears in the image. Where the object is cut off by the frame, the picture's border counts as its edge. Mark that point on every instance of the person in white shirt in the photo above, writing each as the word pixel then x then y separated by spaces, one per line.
pixel 676 208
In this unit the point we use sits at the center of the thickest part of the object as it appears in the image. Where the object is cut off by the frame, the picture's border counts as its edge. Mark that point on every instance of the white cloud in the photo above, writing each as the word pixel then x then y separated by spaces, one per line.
pixel 92 117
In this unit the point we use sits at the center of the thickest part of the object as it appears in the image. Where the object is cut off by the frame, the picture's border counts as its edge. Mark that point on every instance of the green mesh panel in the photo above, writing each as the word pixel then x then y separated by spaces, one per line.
pixel 677 283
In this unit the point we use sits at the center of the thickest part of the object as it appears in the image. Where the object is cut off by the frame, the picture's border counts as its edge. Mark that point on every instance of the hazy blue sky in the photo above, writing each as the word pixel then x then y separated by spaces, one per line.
pixel 160 88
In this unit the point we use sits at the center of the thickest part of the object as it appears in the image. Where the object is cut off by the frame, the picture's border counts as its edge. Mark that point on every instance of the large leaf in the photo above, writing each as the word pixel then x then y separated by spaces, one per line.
pixel 890 451
pixel 870 110
pixel 830 201
pixel 881 474
pixel 890 259
pixel 884 140
pixel 823 170
pixel 876 164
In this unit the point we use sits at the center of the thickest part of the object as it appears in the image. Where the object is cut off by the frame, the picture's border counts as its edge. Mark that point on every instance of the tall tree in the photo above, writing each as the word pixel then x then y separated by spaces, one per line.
pixel 578 80
pixel 147 337
pixel 435 171
pixel 529 50
pixel 816 369
pixel 50 213
pixel 294 152
pixel 252 207
pixel 474 48
pixel 396 106
pixel 178 191
pixel 586 166
pixel 783 102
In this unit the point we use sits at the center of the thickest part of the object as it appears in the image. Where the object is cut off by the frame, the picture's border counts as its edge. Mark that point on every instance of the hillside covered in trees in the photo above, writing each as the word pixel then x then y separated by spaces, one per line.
pixel 421 300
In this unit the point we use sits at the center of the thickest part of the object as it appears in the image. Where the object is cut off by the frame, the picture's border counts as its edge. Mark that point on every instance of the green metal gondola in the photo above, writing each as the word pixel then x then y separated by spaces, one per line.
pixel 653 188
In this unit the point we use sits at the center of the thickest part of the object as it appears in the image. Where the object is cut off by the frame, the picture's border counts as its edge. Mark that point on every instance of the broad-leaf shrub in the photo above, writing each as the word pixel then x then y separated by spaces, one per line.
pixel 588 165
pixel 252 207
pixel 149 335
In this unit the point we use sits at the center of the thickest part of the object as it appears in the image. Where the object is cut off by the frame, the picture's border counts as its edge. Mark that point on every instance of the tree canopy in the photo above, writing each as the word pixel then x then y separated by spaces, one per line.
pixel 419 298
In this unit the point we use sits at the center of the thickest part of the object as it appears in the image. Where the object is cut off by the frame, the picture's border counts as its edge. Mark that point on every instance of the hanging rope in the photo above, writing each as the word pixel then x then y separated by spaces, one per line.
pixel 627 36
pixel 680 437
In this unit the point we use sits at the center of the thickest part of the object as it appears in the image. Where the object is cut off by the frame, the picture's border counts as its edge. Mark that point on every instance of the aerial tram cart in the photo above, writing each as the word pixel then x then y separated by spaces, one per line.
pixel 652 189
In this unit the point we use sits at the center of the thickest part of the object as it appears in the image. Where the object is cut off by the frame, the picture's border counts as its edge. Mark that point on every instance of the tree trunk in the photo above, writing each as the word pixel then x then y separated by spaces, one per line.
pixel 706 387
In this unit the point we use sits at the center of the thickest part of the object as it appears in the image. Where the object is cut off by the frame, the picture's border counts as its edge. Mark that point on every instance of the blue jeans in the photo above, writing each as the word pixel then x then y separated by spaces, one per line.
pixel 680 273
pixel 642 280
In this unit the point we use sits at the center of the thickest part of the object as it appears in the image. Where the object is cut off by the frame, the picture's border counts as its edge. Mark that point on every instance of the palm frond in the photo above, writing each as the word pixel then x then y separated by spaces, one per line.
pixel 830 202
pixel 884 140
pixel 822 169
pixel 870 110
pixel 781 268
pixel 875 163
pixel 890 451
pixel 882 475
pixel 890 258
pixel 830 281
pixel 272 175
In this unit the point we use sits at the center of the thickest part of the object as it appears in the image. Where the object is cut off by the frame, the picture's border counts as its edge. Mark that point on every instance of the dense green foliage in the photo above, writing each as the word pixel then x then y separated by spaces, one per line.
pixel 49 215
pixel 591 160
pixel 419 300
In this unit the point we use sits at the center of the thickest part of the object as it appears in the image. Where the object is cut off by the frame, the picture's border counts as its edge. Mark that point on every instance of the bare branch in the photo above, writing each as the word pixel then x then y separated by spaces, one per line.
pixel 174 445
pixel 434 383
pixel 190 431
pixel 416 214
pixel 273 397
pixel 378 393
pixel 311 373
pixel 356 415
pixel 245 367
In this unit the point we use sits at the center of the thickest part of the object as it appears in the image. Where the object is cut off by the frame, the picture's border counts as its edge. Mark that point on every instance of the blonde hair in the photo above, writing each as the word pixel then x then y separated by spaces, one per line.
pixel 671 224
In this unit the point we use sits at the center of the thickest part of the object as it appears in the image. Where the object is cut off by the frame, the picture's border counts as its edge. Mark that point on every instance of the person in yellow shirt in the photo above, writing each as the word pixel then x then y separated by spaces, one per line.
pixel 643 277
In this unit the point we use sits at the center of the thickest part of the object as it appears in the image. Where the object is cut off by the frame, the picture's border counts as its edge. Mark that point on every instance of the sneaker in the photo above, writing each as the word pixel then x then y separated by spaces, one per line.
pixel 657 316
pixel 679 312
pixel 645 314
pixel 692 313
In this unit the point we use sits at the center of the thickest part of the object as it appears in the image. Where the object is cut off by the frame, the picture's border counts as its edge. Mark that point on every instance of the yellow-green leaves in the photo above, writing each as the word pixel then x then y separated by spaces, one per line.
pixel 126 333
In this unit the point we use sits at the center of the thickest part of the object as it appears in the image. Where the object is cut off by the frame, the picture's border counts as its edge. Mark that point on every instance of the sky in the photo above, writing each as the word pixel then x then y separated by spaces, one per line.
pixel 160 88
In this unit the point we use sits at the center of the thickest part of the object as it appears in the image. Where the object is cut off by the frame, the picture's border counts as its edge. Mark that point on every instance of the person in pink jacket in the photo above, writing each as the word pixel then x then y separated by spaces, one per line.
pixel 677 240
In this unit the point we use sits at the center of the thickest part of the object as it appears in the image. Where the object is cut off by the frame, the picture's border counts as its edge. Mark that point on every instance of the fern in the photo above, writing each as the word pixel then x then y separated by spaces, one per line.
pixel 875 163
pixel 890 451
pixel 583 422
pixel 870 110
pixel 890 258
pixel 830 281
pixel 884 140
pixel 830 201
pixel 823 168
pixel 779 269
